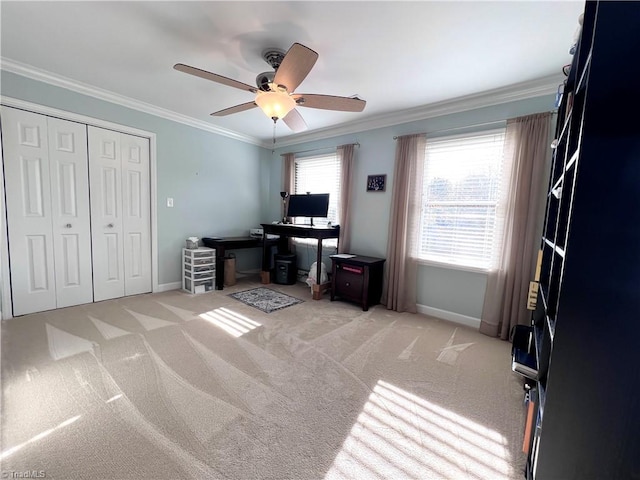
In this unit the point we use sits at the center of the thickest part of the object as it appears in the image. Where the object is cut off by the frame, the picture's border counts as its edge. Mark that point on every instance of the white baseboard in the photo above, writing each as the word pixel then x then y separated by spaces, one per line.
pixel 165 287
pixel 450 316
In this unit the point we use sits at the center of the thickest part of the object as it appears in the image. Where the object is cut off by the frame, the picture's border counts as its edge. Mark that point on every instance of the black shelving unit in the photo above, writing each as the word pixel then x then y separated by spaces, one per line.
pixel 587 318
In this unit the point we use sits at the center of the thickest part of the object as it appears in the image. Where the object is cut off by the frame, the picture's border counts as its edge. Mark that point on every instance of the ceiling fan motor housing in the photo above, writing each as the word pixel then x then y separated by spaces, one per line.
pixel 274 57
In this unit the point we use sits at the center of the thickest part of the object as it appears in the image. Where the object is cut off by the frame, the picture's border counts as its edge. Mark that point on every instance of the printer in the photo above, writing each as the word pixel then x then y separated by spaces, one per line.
pixel 259 233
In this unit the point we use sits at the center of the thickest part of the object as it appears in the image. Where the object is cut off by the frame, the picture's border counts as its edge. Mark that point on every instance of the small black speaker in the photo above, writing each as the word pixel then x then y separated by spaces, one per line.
pixel 286 269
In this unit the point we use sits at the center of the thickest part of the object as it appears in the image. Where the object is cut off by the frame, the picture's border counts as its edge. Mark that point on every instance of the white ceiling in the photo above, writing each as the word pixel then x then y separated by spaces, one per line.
pixel 395 55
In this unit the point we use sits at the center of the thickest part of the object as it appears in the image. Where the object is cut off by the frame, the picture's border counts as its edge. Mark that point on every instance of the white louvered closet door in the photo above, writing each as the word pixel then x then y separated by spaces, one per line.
pixel 45 161
pixel 120 213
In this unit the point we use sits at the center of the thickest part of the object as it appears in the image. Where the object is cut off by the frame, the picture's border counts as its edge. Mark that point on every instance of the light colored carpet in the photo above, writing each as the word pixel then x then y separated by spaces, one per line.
pixel 175 386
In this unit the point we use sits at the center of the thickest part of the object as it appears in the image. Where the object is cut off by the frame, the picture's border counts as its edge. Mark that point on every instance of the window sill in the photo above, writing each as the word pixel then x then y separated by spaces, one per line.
pixel 452 266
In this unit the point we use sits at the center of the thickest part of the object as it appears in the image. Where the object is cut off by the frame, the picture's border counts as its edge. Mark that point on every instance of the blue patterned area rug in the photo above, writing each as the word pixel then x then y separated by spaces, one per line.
pixel 265 299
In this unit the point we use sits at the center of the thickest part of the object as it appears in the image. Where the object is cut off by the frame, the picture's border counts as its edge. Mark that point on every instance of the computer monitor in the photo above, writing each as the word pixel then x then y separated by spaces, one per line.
pixel 309 205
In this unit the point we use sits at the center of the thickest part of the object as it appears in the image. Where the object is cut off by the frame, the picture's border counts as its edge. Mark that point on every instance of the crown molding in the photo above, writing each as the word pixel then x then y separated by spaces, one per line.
pixel 56 80
pixel 520 91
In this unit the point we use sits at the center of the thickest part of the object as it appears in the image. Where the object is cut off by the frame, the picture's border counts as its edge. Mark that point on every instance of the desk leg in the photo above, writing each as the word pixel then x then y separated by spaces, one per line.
pixel 219 268
pixel 265 274
pixel 319 261
pixel 318 288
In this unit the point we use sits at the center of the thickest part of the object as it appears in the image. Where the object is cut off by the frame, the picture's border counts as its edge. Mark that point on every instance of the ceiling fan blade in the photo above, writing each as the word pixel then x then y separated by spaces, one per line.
pixel 214 77
pixel 295 66
pixel 330 102
pixel 294 121
pixel 238 108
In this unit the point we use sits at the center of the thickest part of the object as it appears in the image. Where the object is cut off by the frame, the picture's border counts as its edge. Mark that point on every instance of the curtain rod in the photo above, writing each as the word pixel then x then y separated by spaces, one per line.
pixel 321 148
pixel 553 112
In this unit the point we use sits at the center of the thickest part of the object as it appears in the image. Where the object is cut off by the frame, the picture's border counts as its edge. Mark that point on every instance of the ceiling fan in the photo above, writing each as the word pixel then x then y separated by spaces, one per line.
pixel 274 93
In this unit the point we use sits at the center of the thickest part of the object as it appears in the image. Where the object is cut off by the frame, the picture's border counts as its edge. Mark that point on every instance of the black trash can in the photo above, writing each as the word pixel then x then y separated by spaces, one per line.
pixel 286 269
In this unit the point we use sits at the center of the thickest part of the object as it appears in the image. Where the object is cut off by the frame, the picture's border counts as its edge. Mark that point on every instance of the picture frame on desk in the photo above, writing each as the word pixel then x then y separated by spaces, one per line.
pixel 376 183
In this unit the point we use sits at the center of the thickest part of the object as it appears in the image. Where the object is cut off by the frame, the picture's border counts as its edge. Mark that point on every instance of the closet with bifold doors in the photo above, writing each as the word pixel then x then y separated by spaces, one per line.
pixel 78 212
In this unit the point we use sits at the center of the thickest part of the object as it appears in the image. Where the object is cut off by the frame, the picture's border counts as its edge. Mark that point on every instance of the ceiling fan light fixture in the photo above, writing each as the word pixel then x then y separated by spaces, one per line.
pixel 275 104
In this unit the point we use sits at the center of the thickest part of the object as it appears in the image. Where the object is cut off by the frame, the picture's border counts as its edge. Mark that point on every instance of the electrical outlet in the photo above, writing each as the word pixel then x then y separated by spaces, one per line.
pixel 169 202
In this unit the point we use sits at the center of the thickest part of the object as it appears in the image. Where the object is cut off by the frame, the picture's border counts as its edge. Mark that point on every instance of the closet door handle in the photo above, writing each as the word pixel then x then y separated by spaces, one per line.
pixel 110 225
pixel 68 225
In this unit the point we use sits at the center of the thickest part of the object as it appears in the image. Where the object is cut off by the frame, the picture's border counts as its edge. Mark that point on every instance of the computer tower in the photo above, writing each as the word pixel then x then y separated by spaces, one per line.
pixel 286 269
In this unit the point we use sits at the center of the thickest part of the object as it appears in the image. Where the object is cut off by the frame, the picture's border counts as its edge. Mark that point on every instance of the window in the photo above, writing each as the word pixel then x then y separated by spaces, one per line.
pixel 462 206
pixel 319 174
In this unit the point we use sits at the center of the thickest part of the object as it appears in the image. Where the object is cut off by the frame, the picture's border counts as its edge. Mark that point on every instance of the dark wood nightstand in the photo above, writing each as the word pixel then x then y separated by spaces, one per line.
pixel 358 279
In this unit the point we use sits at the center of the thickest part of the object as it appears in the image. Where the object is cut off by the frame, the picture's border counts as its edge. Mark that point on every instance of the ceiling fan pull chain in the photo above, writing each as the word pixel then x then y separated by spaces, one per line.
pixel 273 149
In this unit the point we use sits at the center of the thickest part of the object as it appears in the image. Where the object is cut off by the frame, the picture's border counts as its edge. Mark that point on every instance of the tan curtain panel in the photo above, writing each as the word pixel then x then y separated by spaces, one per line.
pixel 505 302
pixel 399 288
pixel 345 157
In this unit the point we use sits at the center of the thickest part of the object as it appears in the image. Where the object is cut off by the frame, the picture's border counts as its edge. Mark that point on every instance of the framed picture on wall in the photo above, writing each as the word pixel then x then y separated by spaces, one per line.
pixel 376 183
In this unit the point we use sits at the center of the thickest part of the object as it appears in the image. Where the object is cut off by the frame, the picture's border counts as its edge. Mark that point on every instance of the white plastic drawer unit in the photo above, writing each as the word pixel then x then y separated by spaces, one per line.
pixel 198 269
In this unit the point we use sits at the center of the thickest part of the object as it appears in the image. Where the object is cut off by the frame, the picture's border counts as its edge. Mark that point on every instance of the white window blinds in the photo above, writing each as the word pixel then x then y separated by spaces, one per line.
pixel 319 174
pixel 461 222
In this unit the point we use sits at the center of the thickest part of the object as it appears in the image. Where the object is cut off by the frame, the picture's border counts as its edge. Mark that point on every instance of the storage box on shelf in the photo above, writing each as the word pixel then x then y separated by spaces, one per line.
pixel 199 269
pixel 585 324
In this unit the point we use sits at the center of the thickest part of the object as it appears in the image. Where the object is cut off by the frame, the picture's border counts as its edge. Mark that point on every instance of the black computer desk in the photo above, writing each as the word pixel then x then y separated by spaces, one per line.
pixel 286 231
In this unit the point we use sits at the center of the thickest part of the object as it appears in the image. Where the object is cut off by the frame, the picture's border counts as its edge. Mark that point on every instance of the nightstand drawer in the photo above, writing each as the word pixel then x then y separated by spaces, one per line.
pixel 349 284
pixel 351 269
